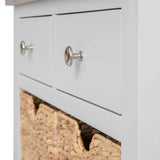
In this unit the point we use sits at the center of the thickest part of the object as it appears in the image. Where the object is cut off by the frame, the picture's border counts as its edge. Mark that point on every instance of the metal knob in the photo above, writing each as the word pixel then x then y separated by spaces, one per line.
pixel 23 48
pixel 69 56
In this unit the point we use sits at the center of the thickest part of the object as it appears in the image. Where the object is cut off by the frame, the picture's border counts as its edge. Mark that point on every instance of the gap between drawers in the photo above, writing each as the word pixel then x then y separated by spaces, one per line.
pixel 89 102
pixel 68 13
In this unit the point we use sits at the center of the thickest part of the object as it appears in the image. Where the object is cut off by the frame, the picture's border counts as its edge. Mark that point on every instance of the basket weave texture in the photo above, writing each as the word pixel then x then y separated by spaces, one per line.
pixel 50 134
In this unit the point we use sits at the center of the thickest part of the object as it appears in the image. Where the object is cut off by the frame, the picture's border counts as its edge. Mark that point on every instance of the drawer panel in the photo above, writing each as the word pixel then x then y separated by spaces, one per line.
pixel 97 78
pixel 36 32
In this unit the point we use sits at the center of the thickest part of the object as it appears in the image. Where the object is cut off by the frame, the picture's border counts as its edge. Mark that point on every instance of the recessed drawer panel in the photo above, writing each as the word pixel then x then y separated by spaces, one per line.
pixel 34 54
pixel 95 73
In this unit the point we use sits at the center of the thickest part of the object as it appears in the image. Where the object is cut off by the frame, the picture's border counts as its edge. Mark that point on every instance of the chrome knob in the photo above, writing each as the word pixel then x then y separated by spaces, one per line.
pixel 69 56
pixel 23 47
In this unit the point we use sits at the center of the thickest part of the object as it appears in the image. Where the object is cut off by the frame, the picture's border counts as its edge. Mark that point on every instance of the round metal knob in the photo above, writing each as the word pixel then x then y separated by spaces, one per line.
pixel 69 56
pixel 23 48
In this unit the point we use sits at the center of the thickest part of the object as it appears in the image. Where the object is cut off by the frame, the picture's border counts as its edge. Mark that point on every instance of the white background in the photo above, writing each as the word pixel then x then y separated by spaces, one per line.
pixel 6 81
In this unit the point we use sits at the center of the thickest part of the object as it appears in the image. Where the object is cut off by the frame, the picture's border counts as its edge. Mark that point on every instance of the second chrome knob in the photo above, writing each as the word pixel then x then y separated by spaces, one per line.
pixel 69 56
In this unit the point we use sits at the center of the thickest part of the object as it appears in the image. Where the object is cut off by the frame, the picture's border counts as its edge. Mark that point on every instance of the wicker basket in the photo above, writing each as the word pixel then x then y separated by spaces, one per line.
pixel 50 134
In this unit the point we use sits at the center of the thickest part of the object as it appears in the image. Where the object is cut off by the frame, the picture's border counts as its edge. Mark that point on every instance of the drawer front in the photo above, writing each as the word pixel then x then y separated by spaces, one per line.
pixel 35 63
pixel 97 79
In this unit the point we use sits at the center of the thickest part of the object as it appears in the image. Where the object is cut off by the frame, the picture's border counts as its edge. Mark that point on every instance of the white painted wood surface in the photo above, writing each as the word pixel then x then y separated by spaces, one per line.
pixel 36 32
pixel 123 128
pixel 137 126
pixel 149 80
pixel 53 7
pixel 18 2
pixel 98 78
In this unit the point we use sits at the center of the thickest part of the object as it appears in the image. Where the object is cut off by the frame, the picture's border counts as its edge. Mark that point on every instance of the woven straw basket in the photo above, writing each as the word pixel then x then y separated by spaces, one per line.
pixel 50 134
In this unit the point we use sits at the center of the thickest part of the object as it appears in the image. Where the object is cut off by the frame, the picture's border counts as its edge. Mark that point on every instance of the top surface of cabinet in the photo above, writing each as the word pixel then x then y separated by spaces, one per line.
pixel 16 2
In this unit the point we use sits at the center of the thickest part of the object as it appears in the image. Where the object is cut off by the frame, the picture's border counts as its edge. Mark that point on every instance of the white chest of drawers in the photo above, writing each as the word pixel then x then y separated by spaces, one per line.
pixel 111 77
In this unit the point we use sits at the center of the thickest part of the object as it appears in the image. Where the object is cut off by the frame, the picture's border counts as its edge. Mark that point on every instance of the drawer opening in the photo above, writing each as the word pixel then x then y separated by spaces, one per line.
pixel 35 80
pixel 50 133
pixel 37 16
pixel 90 11
pixel 89 102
